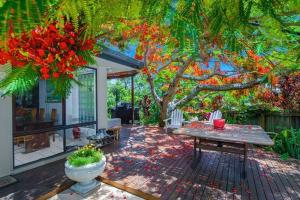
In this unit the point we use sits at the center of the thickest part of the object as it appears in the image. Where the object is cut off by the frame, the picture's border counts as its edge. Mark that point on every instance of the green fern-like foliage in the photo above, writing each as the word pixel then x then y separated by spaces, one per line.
pixel 19 81
pixel 22 15
pixel 237 22
pixel 89 15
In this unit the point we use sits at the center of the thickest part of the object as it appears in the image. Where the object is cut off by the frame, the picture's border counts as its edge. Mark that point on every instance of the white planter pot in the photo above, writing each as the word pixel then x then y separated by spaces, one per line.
pixel 85 175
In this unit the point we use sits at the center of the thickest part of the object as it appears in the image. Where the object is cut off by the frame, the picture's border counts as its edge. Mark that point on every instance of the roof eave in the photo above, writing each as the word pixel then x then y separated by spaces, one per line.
pixel 120 58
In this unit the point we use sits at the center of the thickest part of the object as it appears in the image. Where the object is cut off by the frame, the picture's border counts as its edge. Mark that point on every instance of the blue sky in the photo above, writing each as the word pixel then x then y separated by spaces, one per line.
pixel 130 51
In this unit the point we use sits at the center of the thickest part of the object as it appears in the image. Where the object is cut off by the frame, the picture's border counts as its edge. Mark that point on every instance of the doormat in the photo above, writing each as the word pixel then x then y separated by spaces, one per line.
pixel 6 181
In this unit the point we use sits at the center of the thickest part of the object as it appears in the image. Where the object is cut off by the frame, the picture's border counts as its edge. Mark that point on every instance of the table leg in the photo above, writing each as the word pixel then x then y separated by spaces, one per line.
pixel 200 153
pixel 245 159
pixel 195 147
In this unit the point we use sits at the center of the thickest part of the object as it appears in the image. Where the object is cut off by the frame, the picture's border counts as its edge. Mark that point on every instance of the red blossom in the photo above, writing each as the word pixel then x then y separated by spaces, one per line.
pixel 71 41
pixel 50 58
pixel 138 57
pixel 45 76
pixel 4 57
pixel 41 52
pixel 55 74
pixel 53 53
pixel 71 76
pixel 63 46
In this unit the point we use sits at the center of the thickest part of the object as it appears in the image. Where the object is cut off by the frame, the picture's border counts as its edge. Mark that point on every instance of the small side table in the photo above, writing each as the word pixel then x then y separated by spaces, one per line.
pixel 116 131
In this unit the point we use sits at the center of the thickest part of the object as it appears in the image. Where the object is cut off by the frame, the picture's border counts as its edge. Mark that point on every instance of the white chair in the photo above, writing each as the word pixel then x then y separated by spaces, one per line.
pixel 175 121
pixel 214 115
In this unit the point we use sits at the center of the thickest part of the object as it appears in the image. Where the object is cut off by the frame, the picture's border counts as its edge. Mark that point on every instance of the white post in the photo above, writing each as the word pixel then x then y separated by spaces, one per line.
pixel 102 97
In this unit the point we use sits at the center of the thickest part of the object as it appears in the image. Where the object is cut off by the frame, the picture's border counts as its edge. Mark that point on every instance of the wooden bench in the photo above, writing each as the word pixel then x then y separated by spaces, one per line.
pixel 116 131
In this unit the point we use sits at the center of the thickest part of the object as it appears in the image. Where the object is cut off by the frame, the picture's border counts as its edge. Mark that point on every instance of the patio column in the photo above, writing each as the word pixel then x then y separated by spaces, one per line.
pixel 132 97
pixel 102 97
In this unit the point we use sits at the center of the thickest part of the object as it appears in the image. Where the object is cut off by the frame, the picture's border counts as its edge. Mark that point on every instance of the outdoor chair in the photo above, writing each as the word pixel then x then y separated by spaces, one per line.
pixel 176 120
pixel 214 115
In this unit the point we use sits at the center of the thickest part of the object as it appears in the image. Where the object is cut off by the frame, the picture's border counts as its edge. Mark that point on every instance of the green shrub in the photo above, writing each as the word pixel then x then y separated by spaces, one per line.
pixel 84 156
pixel 287 143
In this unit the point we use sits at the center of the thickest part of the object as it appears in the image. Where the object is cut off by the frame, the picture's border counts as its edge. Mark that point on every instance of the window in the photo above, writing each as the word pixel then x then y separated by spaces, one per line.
pixel 37 109
pixel 46 125
pixel 81 104
pixel 77 136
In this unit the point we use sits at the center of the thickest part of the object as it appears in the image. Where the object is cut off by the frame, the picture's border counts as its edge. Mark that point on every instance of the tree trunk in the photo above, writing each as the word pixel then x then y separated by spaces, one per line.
pixel 163 113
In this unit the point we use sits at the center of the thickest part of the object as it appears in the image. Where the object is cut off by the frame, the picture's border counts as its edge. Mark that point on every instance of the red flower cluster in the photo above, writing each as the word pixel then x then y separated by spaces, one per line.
pixel 50 51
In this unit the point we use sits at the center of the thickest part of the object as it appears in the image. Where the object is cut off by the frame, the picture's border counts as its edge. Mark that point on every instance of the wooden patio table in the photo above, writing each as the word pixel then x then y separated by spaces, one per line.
pixel 233 138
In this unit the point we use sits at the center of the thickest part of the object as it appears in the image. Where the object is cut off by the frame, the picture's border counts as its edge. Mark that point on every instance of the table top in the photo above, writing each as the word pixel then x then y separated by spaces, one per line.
pixel 250 134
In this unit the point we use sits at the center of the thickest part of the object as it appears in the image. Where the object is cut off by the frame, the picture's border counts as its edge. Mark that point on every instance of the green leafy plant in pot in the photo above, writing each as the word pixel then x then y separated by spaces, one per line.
pixel 83 166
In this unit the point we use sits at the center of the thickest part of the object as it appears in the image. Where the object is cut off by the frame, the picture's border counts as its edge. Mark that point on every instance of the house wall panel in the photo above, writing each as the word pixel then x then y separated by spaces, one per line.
pixel 6 149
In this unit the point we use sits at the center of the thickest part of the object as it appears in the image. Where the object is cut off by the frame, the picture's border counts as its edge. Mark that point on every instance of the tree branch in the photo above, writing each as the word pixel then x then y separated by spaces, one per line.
pixel 227 87
pixel 208 76
pixel 150 80
pixel 188 98
pixel 172 88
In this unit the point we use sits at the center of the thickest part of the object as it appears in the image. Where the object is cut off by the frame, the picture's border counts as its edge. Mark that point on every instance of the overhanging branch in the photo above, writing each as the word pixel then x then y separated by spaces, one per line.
pixel 227 87
pixel 157 99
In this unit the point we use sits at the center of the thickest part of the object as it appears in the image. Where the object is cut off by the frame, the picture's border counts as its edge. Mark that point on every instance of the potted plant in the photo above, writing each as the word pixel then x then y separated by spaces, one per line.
pixel 83 166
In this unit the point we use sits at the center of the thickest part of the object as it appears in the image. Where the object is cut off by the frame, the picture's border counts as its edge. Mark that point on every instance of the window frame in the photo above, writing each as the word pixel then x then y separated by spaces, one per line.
pixel 63 127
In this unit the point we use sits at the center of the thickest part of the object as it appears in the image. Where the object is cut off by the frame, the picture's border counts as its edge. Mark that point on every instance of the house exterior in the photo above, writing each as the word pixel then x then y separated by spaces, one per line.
pixel 39 128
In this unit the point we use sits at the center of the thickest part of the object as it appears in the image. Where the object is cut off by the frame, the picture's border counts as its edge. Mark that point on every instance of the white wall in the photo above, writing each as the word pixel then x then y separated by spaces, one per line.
pixel 6 155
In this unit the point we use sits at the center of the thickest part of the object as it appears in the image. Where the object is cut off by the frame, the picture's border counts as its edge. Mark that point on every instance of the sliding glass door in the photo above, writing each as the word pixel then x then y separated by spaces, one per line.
pixel 46 125
pixel 81 110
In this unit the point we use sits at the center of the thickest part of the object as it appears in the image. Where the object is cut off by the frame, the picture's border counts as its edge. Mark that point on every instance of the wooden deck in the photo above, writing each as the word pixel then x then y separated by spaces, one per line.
pixel 162 165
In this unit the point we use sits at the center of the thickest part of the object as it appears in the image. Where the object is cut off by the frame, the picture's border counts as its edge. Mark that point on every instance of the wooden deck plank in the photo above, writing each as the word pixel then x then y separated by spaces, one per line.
pixel 287 179
pixel 263 178
pixel 190 192
pixel 199 176
pixel 158 181
pixel 257 179
pixel 267 173
pixel 278 179
pixel 249 186
pixel 184 181
pixel 294 178
pixel 219 176
pixel 237 175
pixel 210 191
pixel 223 178
pixel 171 188
pixel 231 188
pixel 204 175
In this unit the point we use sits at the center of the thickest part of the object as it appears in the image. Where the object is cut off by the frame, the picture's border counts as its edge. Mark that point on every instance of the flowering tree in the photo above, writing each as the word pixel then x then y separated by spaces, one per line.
pixel 176 76
pixel 251 36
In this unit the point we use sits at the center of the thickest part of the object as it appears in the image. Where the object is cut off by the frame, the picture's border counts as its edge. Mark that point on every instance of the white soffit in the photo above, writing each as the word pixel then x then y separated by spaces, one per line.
pixel 112 67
